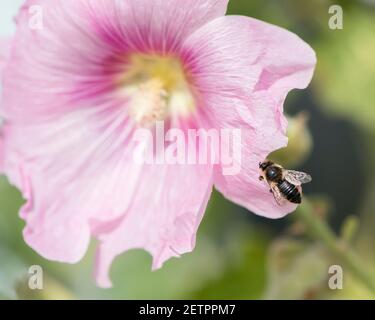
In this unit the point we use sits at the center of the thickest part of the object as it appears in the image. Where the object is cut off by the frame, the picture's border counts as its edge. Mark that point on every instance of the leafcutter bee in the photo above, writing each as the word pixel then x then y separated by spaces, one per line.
pixel 284 184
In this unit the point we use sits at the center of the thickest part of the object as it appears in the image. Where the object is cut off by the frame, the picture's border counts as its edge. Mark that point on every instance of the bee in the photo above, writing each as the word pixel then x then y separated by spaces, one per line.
pixel 285 184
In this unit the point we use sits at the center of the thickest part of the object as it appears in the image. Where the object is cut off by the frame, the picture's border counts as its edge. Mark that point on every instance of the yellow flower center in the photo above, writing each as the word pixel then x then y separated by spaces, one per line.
pixel 157 88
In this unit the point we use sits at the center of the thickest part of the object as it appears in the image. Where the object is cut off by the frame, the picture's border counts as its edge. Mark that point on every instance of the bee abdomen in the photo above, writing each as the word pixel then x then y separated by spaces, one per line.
pixel 290 191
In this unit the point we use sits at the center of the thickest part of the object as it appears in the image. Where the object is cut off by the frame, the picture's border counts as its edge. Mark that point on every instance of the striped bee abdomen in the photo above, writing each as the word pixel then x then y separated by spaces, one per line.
pixel 289 191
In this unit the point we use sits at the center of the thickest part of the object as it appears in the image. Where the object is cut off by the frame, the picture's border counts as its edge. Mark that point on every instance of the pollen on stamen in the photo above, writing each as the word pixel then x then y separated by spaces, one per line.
pixel 149 103
pixel 156 89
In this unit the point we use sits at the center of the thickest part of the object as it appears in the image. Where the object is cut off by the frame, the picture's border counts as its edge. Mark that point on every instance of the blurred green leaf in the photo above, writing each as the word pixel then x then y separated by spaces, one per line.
pixel 296 270
pixel 10 222
pixel 52 290
pixel 245 264
pixel 12 271
pixel 349 229
pixel 345 74
pixel 352 290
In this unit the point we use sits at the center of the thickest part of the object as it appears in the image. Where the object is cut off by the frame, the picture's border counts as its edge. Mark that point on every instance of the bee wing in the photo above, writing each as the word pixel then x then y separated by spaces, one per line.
pixel 296 177
pixel 277 195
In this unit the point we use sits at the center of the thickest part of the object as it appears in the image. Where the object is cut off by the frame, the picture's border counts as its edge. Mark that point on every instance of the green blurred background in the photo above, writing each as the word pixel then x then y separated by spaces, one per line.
pixel 240 255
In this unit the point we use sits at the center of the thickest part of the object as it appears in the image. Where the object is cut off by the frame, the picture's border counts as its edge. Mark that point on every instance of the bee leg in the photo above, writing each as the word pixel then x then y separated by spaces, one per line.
pixel 261 178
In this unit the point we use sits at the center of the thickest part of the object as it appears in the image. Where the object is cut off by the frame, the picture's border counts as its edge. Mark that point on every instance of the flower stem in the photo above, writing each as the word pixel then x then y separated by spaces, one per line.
pixel 321 232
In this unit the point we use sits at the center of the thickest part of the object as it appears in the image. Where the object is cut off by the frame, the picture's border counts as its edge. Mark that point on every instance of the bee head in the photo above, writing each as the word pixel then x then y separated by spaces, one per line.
pixel 264 165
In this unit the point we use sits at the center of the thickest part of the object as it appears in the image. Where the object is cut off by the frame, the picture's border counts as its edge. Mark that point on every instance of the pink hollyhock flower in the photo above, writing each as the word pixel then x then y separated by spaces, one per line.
pixel 76 90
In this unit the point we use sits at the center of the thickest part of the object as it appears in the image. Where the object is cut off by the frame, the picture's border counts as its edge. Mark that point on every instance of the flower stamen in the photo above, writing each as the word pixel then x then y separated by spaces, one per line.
pixel 149 103
pixel 157 89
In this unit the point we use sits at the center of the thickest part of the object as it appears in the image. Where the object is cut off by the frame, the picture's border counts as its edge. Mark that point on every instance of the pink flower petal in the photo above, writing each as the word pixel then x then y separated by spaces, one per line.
pixel 5 46
pixel 243 69
pixel 67 135
pixel 76 53
pixel 157 25
pixel 4 52
pixel 69 174
pixel 163 218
